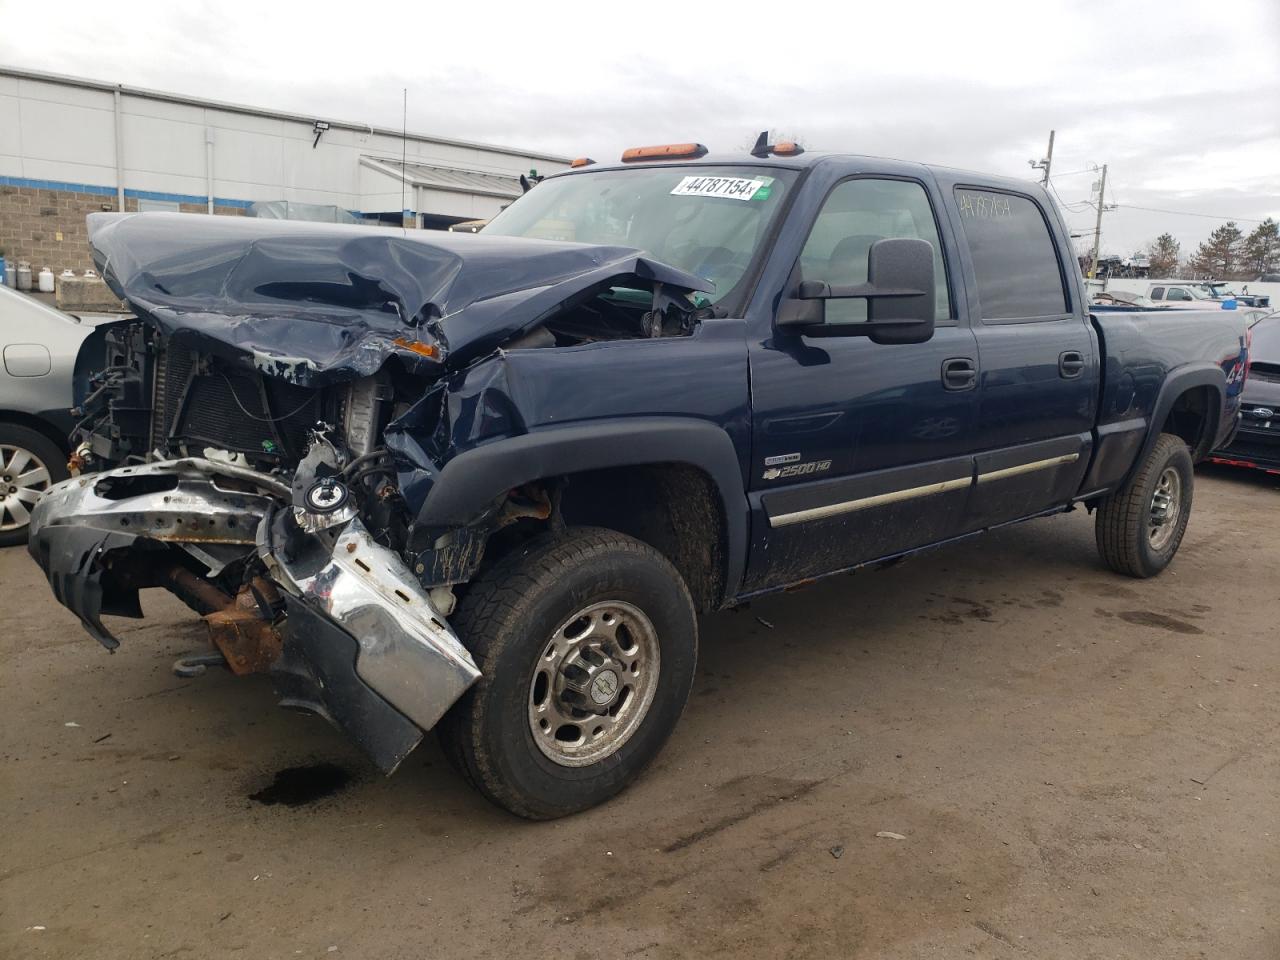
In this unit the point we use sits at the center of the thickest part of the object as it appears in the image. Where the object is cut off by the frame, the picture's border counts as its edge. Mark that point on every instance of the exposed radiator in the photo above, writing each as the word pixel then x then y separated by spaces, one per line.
pixel 215 405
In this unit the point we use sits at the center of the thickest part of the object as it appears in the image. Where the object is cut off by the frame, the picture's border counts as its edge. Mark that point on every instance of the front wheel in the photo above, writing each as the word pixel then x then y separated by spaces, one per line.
pixel 30 463
pixel 1140 526
pixel 587 643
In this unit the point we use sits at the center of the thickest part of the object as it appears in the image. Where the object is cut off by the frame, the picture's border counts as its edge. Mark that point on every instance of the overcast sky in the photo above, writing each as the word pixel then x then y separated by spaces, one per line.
pixel 1180 97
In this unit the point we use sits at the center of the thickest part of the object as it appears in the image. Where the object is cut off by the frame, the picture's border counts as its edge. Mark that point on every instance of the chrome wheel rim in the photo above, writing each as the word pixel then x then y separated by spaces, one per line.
pixel 1166 505
pixel 23 478
pixel 593 683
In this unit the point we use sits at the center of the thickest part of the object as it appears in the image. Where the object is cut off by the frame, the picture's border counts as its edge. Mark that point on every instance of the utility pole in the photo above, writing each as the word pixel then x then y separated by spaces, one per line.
pixel 1046 163
pixel 1097 228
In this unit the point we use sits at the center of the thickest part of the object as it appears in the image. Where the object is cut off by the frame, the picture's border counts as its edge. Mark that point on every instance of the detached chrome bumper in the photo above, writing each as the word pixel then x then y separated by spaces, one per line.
pixel 351 634
pixel 99 538
pixel 407 652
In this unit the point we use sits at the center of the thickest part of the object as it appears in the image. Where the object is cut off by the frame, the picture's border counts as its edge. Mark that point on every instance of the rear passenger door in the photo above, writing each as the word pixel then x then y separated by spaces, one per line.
pixel 1037 353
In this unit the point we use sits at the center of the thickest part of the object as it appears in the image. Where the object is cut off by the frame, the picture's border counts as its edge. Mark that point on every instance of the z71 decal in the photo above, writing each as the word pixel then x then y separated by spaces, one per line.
pixel 796 469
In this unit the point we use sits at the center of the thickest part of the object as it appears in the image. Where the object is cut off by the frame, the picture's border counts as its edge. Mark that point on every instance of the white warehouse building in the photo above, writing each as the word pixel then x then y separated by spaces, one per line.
pixel 70 146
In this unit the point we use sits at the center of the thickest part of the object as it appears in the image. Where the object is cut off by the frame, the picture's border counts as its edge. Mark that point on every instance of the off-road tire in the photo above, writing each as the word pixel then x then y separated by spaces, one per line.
pixel 505 620
pixel 44 450
pixel 1122 523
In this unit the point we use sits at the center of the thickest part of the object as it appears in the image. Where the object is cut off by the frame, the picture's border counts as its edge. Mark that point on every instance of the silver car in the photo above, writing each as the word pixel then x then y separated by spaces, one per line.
pixel 46 359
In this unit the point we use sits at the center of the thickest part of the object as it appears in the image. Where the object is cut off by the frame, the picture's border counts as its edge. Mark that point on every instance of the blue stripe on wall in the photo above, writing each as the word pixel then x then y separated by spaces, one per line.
pixel 111 192
pixel 56 185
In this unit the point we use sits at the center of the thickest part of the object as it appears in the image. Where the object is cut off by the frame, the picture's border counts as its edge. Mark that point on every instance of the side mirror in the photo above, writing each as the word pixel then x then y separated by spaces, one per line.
pixel 899 292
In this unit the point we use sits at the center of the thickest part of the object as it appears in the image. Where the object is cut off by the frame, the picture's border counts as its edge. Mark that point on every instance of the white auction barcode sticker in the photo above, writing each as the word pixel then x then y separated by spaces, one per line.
pixel 732 188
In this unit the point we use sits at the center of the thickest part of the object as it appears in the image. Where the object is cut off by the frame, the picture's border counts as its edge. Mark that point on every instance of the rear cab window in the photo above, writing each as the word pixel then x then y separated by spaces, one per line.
pixel 1015 261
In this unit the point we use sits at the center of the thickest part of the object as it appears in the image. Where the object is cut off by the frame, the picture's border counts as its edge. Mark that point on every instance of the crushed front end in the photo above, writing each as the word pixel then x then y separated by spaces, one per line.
pixel 294 586
pixel 263 438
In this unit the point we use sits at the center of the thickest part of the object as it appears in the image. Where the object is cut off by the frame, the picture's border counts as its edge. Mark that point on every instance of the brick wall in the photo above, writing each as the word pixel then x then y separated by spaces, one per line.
pixel 47 227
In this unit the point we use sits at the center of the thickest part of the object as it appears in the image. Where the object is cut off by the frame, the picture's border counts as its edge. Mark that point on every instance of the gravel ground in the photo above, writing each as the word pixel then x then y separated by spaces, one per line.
pixel 1080 765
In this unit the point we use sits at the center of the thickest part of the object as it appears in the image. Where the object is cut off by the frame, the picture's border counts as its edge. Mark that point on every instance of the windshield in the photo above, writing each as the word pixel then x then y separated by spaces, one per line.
pixel 707 220
pixel 1213 290
pixel 1266 340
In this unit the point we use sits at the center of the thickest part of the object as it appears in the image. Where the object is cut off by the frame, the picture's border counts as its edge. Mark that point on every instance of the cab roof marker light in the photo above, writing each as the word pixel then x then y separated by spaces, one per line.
pixel 665 151
pixel 581 162
pixel 783 148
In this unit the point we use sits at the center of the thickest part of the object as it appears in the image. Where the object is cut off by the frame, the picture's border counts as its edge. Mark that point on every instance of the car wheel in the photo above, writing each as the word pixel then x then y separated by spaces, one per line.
pixel 587 643
pixel 30 463
pixel 1140 526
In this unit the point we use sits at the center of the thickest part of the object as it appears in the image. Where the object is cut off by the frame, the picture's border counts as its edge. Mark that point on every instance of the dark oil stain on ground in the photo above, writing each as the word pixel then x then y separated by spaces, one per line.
pixel 1146 618
pixel 298 786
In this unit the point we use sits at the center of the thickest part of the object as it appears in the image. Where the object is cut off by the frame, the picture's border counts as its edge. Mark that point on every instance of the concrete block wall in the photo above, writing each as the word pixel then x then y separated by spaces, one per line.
pixel 47 227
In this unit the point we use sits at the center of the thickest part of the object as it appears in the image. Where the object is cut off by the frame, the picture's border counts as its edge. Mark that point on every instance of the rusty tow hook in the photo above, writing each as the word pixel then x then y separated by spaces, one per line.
pixel 238 627
pixel 240 630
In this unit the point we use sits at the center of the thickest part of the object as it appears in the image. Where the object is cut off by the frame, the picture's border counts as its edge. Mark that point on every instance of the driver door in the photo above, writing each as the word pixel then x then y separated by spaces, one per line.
pixel 860 450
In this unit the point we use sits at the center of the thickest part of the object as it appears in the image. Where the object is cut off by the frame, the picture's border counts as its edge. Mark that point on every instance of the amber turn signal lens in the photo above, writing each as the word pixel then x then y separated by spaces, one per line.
pixel 665 151
pixel 415 346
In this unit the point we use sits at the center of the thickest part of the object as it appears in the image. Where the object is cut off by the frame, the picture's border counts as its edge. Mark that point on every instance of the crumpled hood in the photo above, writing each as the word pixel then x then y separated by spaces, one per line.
pixel 318 302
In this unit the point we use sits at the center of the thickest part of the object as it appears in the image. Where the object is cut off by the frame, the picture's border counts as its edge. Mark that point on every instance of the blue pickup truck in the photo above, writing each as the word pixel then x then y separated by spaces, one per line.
pixel 485 483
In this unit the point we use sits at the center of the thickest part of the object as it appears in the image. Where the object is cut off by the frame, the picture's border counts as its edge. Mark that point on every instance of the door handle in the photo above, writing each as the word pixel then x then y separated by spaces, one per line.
pixel 1070 364
pixel 959 373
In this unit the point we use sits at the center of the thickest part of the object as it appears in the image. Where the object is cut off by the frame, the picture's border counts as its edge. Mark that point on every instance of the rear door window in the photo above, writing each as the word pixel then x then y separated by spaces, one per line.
pixel 1157 293
pixel 1014 257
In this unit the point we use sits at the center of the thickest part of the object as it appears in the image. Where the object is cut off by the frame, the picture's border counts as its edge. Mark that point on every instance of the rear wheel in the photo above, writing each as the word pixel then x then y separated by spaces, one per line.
pixel 1140 526
pixel 30 463
pixel 587 642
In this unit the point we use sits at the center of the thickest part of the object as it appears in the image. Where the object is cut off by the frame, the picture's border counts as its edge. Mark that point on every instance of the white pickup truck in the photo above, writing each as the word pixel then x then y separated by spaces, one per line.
pixel 1187 294
pixel 1200 294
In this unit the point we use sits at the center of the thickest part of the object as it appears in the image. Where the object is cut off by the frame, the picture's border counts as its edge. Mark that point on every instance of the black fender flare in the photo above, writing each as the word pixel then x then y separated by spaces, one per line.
pixel 1178 382
pixel 473 479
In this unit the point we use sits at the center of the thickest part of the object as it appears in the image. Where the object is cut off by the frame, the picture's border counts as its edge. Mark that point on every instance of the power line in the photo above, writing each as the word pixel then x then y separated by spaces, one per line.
pixel 1076 173
pixel 1076 206
pixel 1069 206
pixel 1188 213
